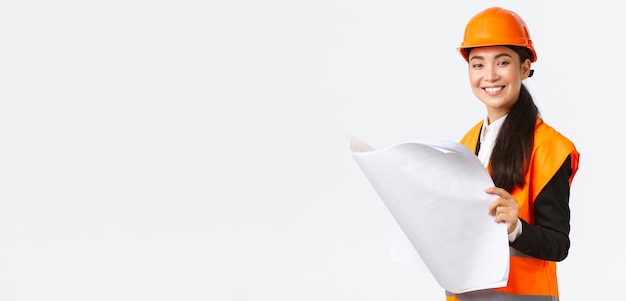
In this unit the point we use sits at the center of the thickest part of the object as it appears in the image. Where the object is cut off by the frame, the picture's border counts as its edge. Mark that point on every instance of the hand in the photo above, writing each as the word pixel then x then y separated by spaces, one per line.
pixel 505 209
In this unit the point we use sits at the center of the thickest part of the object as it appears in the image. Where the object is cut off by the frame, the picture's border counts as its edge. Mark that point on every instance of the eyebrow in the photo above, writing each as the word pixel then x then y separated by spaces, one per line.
pixel 497 56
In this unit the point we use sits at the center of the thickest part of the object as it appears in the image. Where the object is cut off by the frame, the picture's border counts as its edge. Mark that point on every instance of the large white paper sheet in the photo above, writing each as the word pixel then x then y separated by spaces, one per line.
pixel 435 192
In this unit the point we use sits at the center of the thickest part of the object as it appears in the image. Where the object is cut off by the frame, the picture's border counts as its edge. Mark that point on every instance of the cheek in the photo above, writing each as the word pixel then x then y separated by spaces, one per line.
pixel 474 78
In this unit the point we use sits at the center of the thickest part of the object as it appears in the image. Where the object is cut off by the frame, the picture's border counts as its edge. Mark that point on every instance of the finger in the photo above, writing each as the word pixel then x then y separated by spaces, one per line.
pixel 503 216
pixel 493 190
pixel 498 191
pixel 501 205
pixel 493 206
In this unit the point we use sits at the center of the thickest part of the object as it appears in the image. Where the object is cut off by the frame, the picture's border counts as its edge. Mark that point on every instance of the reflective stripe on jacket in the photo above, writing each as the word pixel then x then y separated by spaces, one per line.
pixel 530 279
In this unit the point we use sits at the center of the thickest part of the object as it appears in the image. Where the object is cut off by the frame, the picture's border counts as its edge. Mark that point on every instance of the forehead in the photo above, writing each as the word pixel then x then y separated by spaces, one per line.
pixel 491 52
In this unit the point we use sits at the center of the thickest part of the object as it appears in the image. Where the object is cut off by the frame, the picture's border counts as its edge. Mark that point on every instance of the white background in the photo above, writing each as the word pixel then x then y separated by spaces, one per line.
pixel 195 150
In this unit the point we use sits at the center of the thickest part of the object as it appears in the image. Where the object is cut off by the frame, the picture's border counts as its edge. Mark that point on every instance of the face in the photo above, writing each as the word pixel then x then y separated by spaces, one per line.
pixel 496 75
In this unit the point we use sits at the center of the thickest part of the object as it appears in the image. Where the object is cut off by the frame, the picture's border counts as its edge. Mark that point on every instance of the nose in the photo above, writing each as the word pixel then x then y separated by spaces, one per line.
pixel 491 73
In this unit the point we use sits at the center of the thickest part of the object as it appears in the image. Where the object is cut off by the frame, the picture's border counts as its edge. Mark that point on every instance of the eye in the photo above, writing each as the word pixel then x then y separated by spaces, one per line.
pixel 477 65
pixel 503 63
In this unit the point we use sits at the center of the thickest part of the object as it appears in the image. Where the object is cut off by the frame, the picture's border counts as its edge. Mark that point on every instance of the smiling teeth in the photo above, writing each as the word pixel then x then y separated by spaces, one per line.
pixel 493 90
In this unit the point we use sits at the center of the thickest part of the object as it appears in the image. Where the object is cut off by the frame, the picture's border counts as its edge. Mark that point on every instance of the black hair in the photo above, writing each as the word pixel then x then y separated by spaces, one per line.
pixel 513 148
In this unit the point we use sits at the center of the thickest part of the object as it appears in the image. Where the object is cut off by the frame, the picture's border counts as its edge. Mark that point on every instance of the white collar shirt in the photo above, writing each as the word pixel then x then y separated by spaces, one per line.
pixel 488 136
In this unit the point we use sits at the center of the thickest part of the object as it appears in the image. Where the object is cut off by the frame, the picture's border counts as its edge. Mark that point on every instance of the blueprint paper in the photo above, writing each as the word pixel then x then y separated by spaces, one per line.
pixel 435 192
pixel 402 251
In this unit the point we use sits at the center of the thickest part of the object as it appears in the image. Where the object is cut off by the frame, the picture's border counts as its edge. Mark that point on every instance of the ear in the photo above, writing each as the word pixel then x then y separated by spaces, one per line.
pixel 525 69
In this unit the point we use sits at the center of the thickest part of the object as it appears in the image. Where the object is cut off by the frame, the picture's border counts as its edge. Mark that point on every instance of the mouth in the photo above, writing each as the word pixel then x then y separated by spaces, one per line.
pixel 493 90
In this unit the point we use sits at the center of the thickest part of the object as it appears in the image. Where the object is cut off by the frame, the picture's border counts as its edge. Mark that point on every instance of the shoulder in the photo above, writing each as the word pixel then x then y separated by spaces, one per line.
pixel 551 148
pixel 470 139
pixel 547 136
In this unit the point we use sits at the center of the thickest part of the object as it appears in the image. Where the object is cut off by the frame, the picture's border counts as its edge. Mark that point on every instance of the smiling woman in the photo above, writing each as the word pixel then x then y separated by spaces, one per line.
pixel 531 164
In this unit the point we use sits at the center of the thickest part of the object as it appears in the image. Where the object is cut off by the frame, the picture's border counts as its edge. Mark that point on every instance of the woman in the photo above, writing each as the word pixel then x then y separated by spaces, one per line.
pixel 531 164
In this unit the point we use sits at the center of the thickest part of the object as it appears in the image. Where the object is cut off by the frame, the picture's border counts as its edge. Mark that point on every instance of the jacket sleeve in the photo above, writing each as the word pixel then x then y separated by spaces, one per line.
pixel 548 237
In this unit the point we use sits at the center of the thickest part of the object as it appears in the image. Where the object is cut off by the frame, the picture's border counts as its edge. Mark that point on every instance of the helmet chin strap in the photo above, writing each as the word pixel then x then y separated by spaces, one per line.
pixel 530 74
